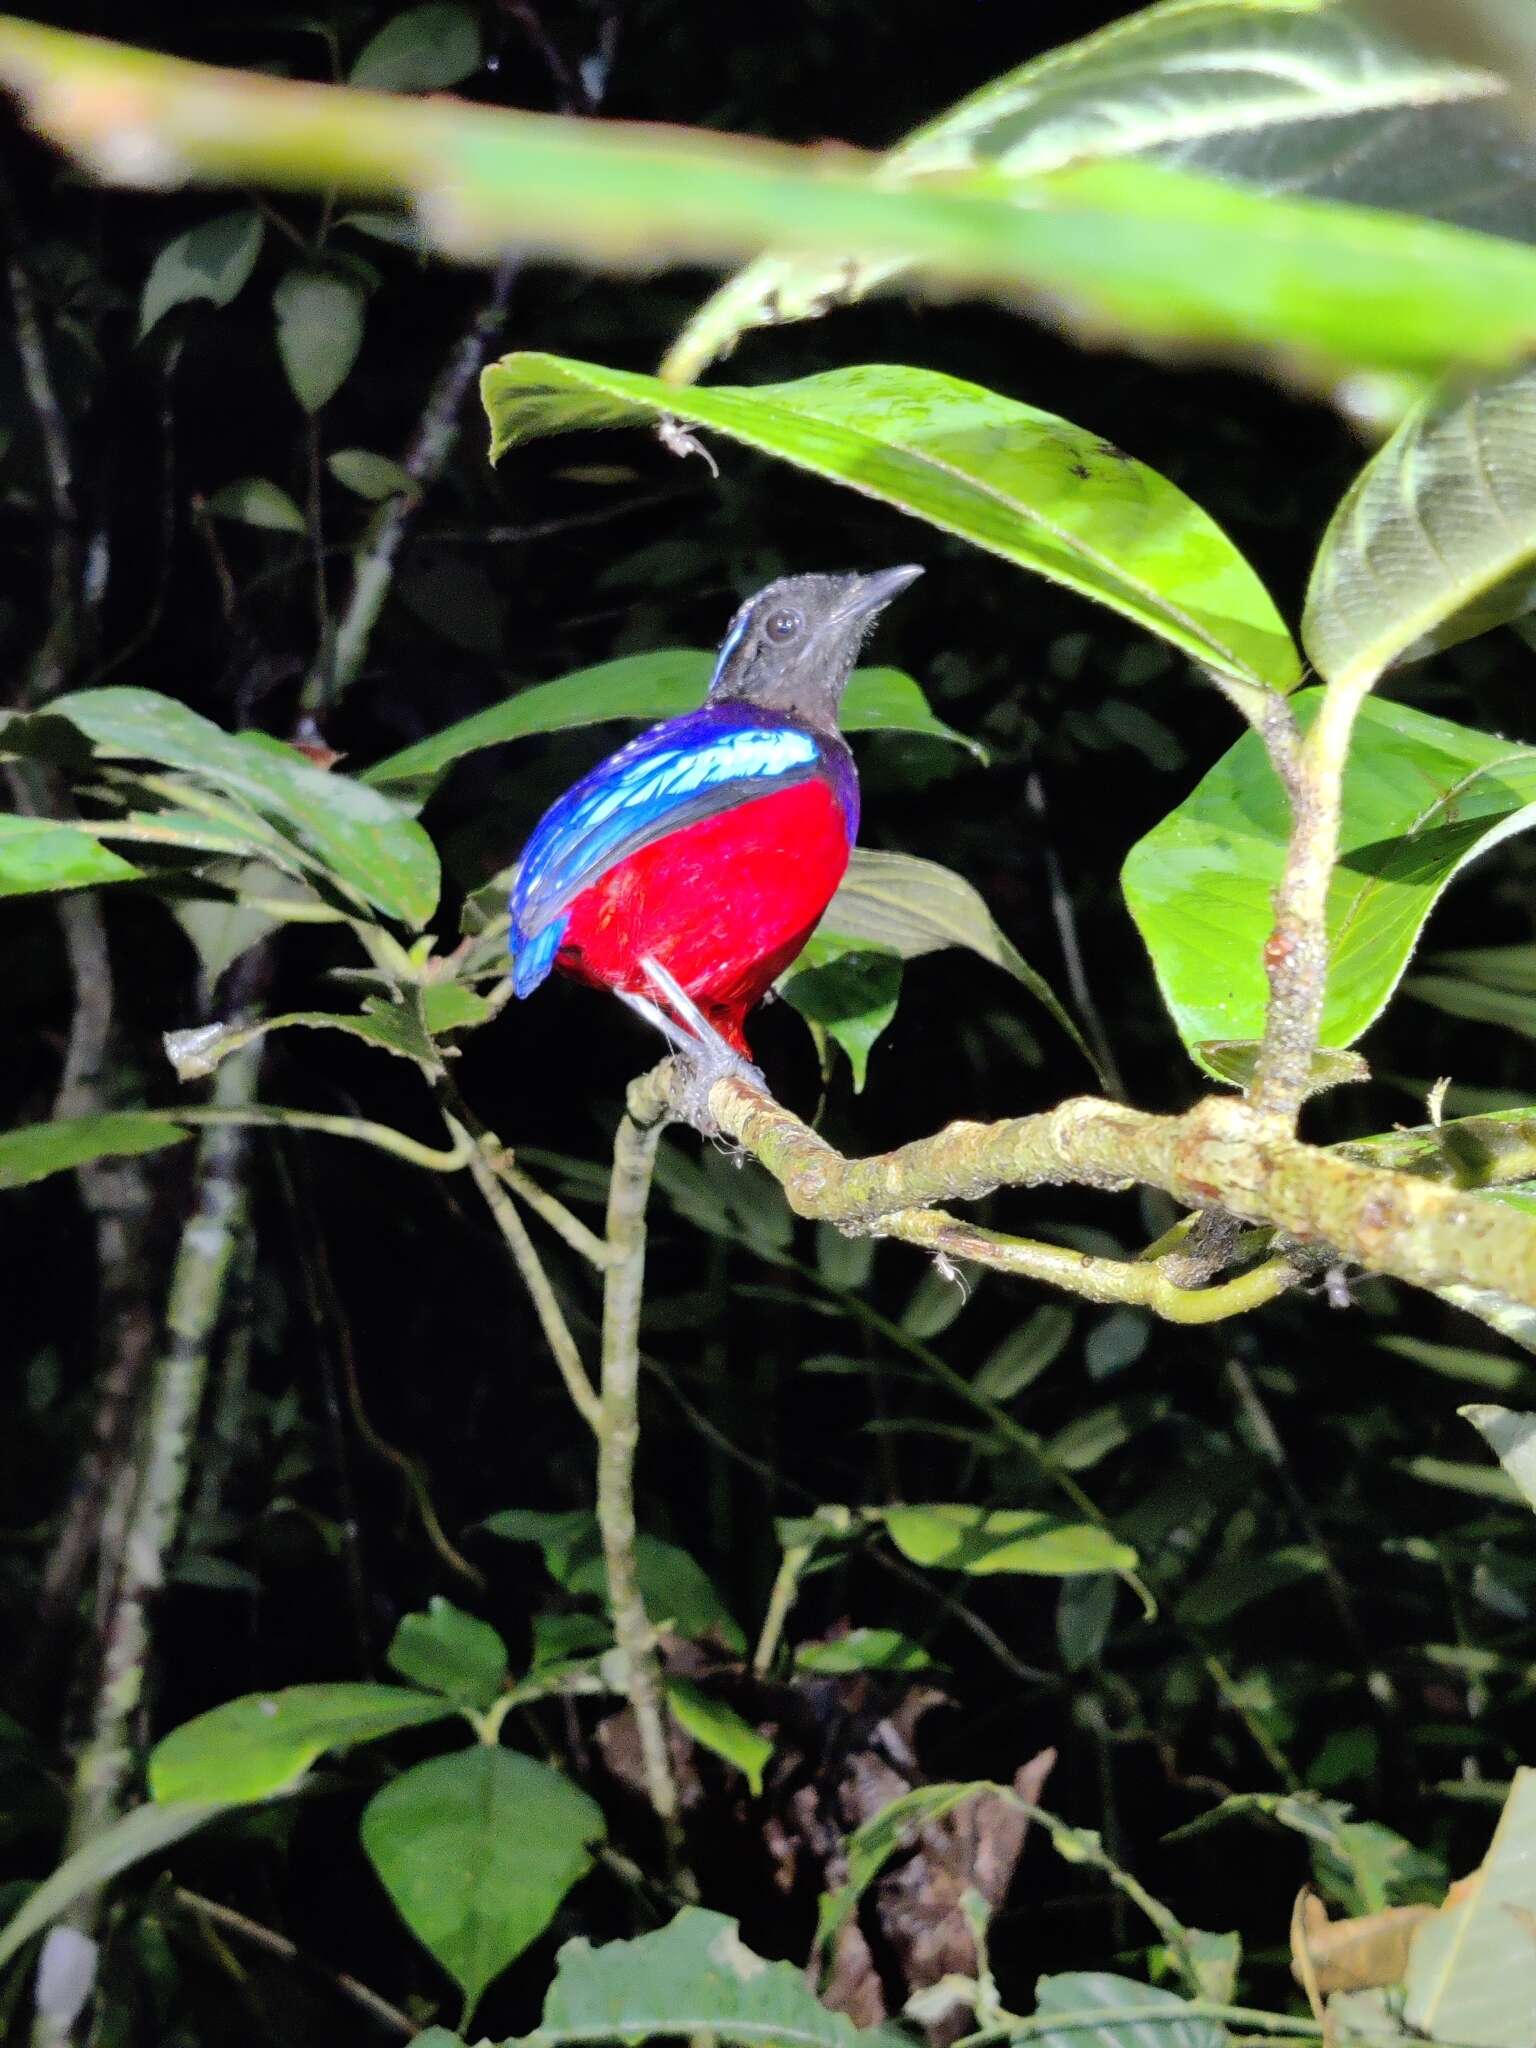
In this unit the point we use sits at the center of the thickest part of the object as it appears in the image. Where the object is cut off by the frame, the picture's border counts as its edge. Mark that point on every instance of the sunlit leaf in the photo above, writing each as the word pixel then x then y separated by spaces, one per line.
pixel 477 1850
pixel 911 907
pixel 34 1151
pixel 1422 797
pixel 1113 246
pixel 361 836
pixel 1435 541
pixel 1282 96
pixel 960 1538
pixel 253 1747
pixel 721 1729
pixel 38 853
pixel 212 261
pixel 657 685
pixel 864 1649
pixel 1018 482
pixel 450 1652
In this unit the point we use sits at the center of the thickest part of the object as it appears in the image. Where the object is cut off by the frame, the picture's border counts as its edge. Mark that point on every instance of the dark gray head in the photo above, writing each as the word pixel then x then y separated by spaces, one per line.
pixel 791 648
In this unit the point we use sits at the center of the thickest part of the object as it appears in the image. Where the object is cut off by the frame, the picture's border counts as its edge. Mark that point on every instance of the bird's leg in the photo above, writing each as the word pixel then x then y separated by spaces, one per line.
pixel 702 1052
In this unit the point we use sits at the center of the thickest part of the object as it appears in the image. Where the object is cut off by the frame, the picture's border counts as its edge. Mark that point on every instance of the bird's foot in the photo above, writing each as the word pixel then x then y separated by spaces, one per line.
pixel 702 1054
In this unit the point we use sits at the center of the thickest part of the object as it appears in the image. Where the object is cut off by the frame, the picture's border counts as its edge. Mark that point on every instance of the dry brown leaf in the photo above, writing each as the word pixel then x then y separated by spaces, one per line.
pixel 1363 1954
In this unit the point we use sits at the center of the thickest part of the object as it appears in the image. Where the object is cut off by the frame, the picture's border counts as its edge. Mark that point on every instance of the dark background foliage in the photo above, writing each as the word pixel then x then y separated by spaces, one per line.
pixel 1225 1453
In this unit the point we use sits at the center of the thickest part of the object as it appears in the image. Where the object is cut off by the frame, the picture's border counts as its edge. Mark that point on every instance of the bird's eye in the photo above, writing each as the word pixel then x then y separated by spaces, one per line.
pixel 782 626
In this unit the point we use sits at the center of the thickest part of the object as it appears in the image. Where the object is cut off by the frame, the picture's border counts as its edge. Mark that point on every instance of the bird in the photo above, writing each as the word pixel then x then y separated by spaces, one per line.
pixel 687 870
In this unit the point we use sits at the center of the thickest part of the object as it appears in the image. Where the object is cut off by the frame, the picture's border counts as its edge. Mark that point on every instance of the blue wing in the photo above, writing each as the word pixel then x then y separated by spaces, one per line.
pixel 671 776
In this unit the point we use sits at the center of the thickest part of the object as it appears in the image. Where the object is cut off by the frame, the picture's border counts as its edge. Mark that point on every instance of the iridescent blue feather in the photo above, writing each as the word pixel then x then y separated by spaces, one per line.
pixel 686 769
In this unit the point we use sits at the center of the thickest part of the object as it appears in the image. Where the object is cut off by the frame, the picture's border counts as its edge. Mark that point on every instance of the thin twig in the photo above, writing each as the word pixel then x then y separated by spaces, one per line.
pixel 634 1155
pixel 334 671
pixel 277 1944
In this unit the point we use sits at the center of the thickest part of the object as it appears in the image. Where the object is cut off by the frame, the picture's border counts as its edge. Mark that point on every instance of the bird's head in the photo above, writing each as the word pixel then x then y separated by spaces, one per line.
pixel 792 647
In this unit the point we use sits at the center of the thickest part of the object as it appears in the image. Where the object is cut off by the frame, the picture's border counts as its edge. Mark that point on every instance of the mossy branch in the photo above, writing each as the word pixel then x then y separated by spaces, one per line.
pixel 1427 1225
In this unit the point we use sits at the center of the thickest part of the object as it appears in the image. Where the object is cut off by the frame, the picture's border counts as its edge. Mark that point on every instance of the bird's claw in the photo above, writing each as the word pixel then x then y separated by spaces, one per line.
pixel 703 1055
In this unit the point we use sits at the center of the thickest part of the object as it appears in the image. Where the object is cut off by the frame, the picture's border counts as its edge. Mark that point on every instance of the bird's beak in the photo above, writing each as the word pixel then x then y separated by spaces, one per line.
pixel 871 594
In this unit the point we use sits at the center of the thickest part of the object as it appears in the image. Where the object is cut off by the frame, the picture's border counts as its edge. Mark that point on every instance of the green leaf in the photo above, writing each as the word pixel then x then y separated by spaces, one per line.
pixel 1435 540
pixel 426 49
pixel 1469 1976
pixel 1455 1362
pixel 213 261
pixel 676 1590
pixel 1301 98
pixel 319 332
pixel 477 1850
pixel 1422 797
pixel 1510 1009
pixel 257 501
pixel 847 990
pixel 912 907
pixel 39 853
pixel 1018 482
pixel 371 476
pixel 363 838
pixel 958 1537
pixel 33 1151
pixel 253 1747
pixel 450 1652
pixel 1511 1437
pixel 864 1649
pixel 142 1833
pixel 649 686
pixel 1161 254
pixel 721 1729
pixel 1133 2014
pixel 695 1976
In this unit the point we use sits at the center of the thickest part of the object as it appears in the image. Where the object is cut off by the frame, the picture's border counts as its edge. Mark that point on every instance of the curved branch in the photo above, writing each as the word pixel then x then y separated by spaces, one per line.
pixel 1220 1154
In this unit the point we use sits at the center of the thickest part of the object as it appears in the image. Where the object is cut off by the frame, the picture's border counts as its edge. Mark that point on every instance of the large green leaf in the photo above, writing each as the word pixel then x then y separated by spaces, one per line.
pixel 1288 94
pixel 1422 797
pixel 477 1850
pixel 693 1977
pixel 362 837
pixel 1435 540
pixel 960 1538
pixel 40 853
pixel 646 686
pixel 1469 1968
pixel 903 905
pixel 33 1151
pixel 1019 482
pixel 129 1840
pixel 260 1744
pixel 1157 253
pixel 1092 2009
